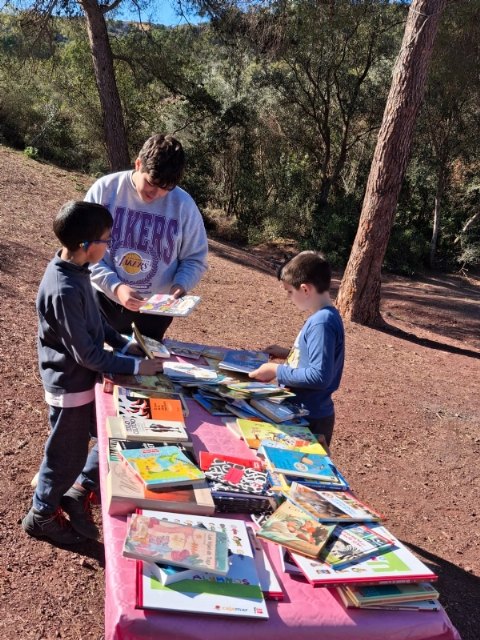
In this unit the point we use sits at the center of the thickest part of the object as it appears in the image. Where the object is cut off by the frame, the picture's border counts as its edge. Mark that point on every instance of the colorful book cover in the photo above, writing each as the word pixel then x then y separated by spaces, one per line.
pixel 350 544
pixel 243 361
pixel 395 566
pixel 296 530
pixel 166 305
pixel 154 539
pixel 168 574
pixel 277 412
pixel 297 463
pixel 126 492
pixel 188 372
pixel 295 445
pixel 254 389
pixel 215 406
pixel 208 457
pixel 331 506
pixel 253 432
pixel 150 347
pixel 148 407
pixel 238 594
pixel 162 466
pixel 155 383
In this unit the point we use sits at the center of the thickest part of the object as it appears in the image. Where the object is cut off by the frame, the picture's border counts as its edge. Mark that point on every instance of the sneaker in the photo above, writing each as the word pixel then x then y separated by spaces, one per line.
pixel 77 504
pixel 53 526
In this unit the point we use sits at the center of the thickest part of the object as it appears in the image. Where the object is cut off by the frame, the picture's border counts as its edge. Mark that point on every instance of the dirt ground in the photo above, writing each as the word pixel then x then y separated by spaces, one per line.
pixel 408 411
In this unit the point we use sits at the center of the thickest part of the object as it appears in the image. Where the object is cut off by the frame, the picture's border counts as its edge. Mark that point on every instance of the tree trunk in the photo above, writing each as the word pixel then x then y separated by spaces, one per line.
pixel 112 114
pixel 359 295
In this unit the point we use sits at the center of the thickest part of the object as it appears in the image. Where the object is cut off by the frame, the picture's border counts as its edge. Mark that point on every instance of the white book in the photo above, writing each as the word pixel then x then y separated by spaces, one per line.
pixel 237 594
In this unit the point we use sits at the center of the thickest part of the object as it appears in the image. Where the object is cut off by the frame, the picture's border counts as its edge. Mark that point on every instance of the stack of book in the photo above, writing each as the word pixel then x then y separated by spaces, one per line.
pixel 207 565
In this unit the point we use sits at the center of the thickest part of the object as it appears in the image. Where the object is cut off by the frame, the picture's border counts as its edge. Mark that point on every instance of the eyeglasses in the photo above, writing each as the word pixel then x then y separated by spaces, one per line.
pixel 86 244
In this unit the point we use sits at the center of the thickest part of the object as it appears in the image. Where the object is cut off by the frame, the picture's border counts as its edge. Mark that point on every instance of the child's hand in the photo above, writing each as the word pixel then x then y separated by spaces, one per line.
pixel 265 372
pixel 128 297
pixel 177 291
pixel 150 367
pixel 276 351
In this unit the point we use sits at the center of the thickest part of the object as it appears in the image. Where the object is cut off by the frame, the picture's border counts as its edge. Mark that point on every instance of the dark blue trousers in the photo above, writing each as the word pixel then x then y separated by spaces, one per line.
pixel 67 458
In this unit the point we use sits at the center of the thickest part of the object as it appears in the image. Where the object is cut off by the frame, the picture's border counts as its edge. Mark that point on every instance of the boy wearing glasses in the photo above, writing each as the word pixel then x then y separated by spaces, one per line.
pixel 71 336
pixel 159 243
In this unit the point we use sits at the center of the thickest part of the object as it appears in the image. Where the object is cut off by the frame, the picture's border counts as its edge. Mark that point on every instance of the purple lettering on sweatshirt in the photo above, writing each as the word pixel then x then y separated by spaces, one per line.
pixel 146 220
pixel 172 232
pixel 132 220
pixel 157 235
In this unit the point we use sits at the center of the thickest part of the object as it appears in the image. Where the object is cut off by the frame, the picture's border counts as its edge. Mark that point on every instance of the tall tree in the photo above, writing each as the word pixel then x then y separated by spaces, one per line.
pixel 40 11
pixel 359 295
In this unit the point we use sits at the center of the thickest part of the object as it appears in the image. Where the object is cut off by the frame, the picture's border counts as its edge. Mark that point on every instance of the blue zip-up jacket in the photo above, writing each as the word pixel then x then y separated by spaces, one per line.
pixel 72 332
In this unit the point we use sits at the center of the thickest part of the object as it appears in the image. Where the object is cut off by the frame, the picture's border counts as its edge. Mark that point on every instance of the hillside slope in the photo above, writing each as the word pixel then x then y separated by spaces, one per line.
pixel 408 411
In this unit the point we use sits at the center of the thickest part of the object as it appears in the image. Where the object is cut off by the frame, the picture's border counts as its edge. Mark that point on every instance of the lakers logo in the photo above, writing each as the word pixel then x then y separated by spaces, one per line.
pixel 133 263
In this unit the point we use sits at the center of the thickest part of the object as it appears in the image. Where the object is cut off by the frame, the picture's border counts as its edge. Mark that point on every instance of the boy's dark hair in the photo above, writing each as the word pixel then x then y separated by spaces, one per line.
pixel 79 221
pixel 307 267
pixel 163 158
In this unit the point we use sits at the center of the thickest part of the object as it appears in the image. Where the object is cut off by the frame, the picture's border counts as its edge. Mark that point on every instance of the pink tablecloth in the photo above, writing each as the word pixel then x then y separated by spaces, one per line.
pixel 305 613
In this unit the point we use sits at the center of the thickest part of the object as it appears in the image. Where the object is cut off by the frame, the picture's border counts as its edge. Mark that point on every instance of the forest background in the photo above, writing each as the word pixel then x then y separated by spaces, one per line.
pixel 278 105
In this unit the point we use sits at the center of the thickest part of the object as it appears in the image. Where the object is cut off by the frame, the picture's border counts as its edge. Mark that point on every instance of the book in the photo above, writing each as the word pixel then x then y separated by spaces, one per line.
pixel 188 373
pixel 299 464
pixel 213 405
pixel 238 594
pixel 243 361
pixel 168 574
pixel 296 530
pixel 255 389
pixel 150 347
pixel 364 595
pixel 148 406
pixel 350 544
pixel 269 583
pixel 254 431
pixel 277 412
pixel 157 383
pixel 194 351
pixel 331 506
pixel 166 305
pixel 395 566
pixel 225 475
pixel 304 446
pixel 125 492
pixel 161 466
pixel 155 539
pixel 208 457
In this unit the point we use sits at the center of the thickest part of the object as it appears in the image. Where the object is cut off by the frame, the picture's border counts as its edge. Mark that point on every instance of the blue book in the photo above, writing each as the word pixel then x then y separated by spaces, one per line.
pixel 301 465
pixel 243 361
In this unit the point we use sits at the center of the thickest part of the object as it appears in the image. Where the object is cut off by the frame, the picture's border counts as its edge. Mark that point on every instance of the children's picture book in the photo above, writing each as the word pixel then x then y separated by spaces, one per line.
pixel 206 458
pixel 331 506
pixel 269 583
pixel 186 372
pixel 157 383
pixel 150 347
pixel 364 595
pixel 149 407
pixel 296 530
pixel 278 412
pixel 166 305
pixel 238 594
pixel 254 389
pixel 155 539
pixel 254 432
pixel 243 361
pixel 153 431
pixel 126 492
pixel 397 565
pixel 297 463
pixel 161 466
pixel 352 543
pixel 215 406
pixel 194 351
pixel 294 444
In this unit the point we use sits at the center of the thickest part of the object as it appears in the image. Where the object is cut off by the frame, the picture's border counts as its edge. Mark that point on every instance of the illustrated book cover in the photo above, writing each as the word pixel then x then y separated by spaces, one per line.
pixel 395 566
pixel 243 361
pixel 331 506
pixel 253 432
pixel 126 492
pixel 296 463
pixel 238 594
pixel 155 383
pixel 278 412
pixel 155 539
pixel 150 347
pixel 243 477
pixel 350 544
pixel 296 530
pixel 166 305
pixel 161 466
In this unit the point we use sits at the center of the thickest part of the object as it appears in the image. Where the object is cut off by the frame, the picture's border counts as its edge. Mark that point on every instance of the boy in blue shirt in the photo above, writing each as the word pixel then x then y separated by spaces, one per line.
pixel 71 354
pixel 314 366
